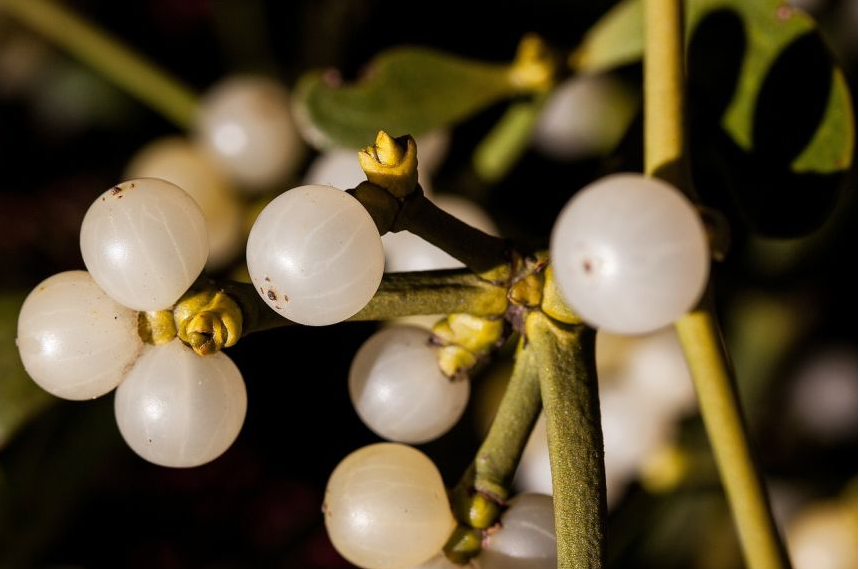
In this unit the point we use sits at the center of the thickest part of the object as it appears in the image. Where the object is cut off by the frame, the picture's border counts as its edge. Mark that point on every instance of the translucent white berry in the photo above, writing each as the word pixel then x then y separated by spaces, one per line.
pixel 178 409
pixel 246 124
pixel 386 507
pixel 144 242
pixel 75 341
pixel 407 252
pixel 315 256
pixel 630 254
pixel 398 390
pixel 185 164
pixel 526 539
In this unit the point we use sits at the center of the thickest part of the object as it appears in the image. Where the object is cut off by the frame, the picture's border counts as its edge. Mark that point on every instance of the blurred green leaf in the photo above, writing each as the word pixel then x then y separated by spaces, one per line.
pixel 20 398
pixel 773 119
pixel 407 90
pixel 502 148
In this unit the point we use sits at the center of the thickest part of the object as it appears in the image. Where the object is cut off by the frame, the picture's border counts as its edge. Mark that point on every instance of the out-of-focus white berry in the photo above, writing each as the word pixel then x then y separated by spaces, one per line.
pixel 178 409
pixel 824 536
pixel 245 122
pixel 526 539
pixel 630 254
pixel 177 160
pixel 75 341
pixel 585 116
pixel 144 242
pixel 338 168
pixel 407 252
pixel 398 390
pixel 315 256
pixel 432 150
pixel 823 396
pixel 386 507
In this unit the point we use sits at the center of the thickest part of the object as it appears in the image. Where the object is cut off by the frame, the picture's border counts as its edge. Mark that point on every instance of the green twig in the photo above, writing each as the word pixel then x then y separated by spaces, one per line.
pixel 107 55
pixel 568 386
pixel 721 413
pixel 399 294
pixel 482 491
pixel 501 149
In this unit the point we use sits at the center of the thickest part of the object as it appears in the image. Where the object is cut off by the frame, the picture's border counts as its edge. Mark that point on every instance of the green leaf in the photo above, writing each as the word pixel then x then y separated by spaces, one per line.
pixel 408 90
pixel 20 398
pixel 505 144
pixel 772 116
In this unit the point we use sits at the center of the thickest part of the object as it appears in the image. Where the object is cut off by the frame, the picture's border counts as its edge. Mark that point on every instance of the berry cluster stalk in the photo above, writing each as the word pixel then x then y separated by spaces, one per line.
pixel 698 331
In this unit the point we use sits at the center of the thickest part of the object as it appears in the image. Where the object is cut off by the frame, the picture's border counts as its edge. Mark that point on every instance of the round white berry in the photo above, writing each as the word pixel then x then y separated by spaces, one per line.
pixel 630 254
pixel 75 341
pixel 526 539
pixel 315 256
pixel 144 242
pixel 398 390
pixel 180 162
pixel 386 507
pixel 246 124
pixel 178 409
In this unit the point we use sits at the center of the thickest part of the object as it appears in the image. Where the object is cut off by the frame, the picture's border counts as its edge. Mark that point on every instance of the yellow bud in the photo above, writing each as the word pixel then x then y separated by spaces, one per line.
pixel 533 68
pixel 208 320
pixel 391 164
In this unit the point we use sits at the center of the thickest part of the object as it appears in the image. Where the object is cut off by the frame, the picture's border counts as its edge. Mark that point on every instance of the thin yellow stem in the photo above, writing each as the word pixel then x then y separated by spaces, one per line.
pixel 108 56
pixel 724 423
pixel 698 331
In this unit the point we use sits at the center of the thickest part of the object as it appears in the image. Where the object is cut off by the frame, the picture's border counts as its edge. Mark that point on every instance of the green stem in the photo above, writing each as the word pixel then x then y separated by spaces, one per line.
pixel 482 491
pixel 399 294
pixel 482 253
pixel 721 413
pixel 496 461
pixel 664 91
pixel 108 55
pixel 698 331
pixel 502 148
pixel 568 386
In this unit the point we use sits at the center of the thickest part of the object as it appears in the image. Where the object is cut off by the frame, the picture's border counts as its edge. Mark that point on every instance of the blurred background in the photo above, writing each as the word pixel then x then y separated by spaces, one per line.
pixel 72 495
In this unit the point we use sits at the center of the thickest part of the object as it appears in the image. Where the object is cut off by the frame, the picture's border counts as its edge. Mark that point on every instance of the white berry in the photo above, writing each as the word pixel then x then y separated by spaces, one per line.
pixel 386 507
pixel 246 124
pixel 630 254
pixel 185 164
pixel 398 390
pixel 144 242
pixel 178 409
pixel 526 539
pixel 315 256
pixel 75 341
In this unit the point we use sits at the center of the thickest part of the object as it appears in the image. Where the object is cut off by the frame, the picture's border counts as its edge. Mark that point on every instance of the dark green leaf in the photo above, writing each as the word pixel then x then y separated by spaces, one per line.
pixel 772 118
pixel 407 91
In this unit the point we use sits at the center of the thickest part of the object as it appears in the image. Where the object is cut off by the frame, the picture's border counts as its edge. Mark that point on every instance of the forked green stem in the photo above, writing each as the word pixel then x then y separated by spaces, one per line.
pixel 698 331
pixel 119 64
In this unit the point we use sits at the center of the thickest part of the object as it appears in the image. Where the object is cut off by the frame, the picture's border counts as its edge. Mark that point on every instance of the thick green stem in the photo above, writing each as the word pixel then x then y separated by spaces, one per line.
pixel 698 331
pixel 568 385
pixel 721 413
pixel 107 55
pixel 399 294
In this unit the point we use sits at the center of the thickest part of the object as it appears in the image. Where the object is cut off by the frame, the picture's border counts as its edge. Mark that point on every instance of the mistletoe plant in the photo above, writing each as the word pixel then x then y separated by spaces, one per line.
pixel 630 253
